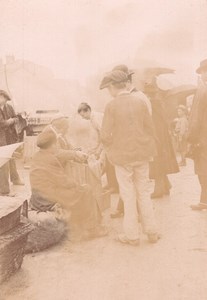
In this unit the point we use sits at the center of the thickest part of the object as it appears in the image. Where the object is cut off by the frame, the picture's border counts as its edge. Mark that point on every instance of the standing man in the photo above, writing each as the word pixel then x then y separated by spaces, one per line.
pixel 84 110
pixel 96 121
pixel 127 135
pixel 8 136
pixel 130 87
pixel 197 135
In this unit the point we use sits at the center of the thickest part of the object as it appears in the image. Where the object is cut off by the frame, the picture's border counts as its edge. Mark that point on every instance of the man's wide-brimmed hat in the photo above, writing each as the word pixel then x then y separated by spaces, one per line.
pixel 5 95
pixel 115 76
pixel 124 69
pixel 203 66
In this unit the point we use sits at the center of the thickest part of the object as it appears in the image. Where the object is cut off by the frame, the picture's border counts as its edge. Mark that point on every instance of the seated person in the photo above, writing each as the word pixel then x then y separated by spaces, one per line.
pixel 51 186
pixel 60 127
pixel 90 172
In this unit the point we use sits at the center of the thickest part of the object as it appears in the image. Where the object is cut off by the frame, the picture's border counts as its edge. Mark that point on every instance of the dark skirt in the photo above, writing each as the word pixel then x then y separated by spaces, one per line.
pixel 200 160
pixel 165 162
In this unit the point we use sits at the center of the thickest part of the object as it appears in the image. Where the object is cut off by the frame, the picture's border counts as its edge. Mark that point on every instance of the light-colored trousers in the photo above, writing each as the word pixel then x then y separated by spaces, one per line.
pixel 134 191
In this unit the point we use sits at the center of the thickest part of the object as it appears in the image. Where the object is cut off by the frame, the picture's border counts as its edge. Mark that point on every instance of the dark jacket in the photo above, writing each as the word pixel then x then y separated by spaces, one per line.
pixel 165 161
pixel 50 185
pixel 8 134
pixel 197 134
pixel 127 130
pixel 49 182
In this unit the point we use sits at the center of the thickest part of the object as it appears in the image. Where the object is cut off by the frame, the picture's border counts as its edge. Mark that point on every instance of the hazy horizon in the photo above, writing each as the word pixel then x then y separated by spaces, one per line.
pixel 77 39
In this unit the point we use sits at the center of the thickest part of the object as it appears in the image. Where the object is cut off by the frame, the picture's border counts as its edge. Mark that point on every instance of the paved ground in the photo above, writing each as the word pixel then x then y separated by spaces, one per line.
pixel 173 269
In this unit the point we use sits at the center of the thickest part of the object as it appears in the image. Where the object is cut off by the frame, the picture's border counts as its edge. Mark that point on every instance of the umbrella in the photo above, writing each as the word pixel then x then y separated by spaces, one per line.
pixel 6 152
pixel 182 91
pixel 156 71
pixel 147 75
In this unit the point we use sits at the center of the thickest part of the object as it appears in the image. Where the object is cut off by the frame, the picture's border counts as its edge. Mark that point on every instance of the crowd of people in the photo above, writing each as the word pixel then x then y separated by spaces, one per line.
pixel 133 145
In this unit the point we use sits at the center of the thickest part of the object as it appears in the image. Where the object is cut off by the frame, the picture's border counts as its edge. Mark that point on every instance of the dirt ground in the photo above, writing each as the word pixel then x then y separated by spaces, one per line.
pixel 173 269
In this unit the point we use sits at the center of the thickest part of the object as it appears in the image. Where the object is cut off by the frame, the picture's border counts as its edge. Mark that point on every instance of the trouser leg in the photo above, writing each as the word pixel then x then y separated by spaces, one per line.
pixel 167 184
pixel 120 206
pixel 14 176
pixel 203 184
pixel 128 194
pixel 145 205
pixel 159 186
pixel 111 176
pixel 4 179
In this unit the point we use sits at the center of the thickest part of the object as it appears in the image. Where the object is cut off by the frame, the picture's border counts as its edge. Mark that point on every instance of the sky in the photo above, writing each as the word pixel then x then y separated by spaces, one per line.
pixel 77 39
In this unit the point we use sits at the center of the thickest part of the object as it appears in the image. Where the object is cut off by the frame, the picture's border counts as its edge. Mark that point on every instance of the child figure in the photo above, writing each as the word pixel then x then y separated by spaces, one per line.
pixel 181 129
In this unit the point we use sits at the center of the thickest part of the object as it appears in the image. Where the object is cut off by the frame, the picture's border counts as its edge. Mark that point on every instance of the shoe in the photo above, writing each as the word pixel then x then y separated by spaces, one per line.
pixel 111 190
pixel 8 194
pixel 167 191
pixel 153 238
pixel 199 206
pixel 98 232
pixel 124 240
pixel 156 195
pixel 18 182
pixel 117 214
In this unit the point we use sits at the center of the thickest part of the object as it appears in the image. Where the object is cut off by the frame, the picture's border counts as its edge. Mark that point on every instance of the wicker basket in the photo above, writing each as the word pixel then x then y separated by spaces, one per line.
pixel 10 221
pixel 10 211
pixel 82 174
pixel 12 248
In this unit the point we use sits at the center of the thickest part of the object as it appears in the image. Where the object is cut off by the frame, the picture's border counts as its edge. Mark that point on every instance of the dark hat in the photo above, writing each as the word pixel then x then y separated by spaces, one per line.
pixel 115 76
pixel 83 107
pixel 5 95
pixel 124 69
pixel 46 138
pixel 203 66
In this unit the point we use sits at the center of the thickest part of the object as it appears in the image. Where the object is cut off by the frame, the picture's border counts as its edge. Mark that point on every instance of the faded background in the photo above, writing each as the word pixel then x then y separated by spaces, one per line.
pixel 53 54
pixel 62 48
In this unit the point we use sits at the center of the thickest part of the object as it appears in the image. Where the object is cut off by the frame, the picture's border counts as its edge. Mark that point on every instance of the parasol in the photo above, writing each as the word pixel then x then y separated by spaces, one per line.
pixel 182 91
pixel 148 75
pixel 156 71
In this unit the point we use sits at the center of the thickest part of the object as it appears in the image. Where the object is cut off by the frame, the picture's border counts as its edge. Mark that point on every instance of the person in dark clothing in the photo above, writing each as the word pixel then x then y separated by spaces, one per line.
pixel 8 136
pixel 197 135
pixel 165 162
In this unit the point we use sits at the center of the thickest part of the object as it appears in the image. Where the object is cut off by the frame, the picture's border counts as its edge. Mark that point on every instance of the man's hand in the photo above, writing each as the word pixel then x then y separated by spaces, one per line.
pixel 81 156
pixel 10 121
pixel 98 153
pixel 85 188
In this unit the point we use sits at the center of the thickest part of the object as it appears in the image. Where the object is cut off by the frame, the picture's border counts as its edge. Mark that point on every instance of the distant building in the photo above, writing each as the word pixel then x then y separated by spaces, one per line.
pixel 34 87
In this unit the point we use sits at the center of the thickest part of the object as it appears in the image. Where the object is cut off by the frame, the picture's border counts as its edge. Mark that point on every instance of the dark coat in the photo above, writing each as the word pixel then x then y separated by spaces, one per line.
pixel 50 185
pixel 8 134
pixel 165 162
pixel 198 129
pixel 49 180
pixel 127 131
